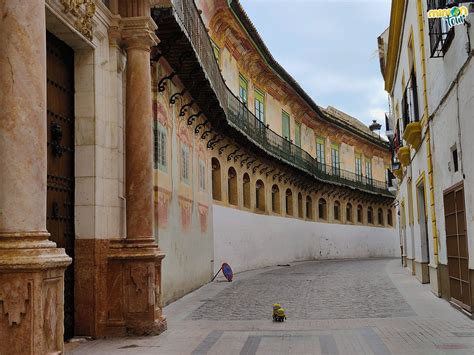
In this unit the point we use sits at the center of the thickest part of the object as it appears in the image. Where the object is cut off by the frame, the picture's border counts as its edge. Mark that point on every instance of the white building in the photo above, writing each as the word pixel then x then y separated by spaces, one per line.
pixel 429 76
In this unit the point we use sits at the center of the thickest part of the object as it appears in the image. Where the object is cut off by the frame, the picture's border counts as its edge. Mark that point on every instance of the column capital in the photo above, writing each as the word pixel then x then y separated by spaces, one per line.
pixel 138 32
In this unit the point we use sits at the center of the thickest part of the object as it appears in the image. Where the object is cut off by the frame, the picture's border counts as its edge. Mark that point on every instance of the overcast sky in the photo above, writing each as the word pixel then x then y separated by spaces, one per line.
pixel 329 47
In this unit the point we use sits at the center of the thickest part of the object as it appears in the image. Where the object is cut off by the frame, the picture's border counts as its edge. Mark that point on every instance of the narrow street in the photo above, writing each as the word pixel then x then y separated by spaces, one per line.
pixel 333 307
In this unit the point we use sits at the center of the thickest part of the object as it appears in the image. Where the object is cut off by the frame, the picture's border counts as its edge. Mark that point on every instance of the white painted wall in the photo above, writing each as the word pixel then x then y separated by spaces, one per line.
pixel 248 241
pixel 449 100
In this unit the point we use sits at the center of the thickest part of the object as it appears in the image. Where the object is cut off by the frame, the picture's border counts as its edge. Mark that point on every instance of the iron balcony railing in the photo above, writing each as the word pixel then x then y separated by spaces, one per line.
pixel 239 116
pixel 410 102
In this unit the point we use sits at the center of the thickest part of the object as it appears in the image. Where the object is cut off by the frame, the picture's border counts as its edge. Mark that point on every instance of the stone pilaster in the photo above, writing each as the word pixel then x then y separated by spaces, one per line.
pixel 134 268
pixel 31 267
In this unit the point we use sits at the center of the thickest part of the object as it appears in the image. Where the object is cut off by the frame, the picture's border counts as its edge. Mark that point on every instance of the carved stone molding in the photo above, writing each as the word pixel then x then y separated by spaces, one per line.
pixel 13 297
pixel 84 11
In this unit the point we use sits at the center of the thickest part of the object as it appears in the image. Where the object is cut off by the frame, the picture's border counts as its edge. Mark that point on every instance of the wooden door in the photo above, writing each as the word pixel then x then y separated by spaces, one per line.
pixel 456 241
pixel 60 179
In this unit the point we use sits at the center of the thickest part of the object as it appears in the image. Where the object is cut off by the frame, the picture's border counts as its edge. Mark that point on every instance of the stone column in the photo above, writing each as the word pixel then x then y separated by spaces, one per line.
pixel 135 263
pixel 31 267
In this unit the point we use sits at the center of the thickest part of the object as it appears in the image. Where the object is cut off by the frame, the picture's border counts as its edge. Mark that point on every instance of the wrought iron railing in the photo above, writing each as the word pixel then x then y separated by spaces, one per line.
pixel 239 116
pixel 440 33
pixel 410 101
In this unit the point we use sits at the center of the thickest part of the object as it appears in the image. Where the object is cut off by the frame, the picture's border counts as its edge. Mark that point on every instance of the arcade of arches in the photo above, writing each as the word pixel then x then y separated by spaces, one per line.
pixel 253 191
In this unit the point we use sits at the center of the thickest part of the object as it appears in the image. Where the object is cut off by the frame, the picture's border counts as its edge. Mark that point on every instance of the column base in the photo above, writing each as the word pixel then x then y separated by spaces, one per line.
pixel 134 288
pixel 31 294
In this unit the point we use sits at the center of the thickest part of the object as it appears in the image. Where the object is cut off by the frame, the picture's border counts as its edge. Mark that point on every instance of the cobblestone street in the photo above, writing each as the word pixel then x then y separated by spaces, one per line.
pixel 333 307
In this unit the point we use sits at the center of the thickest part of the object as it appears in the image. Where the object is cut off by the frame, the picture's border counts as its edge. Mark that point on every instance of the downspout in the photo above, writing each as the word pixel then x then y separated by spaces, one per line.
pixel 458 118
pixel 425 123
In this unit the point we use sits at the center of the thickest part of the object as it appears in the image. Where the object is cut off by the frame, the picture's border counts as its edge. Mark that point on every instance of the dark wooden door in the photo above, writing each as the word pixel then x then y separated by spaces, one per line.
pixel 456 240
pixel 60 197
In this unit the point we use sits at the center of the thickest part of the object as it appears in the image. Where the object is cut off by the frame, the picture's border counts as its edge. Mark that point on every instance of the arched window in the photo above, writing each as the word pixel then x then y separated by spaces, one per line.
pixel 216 180
pixel 309 207
pixel 359 214
pixel 289 202
pixel 380 216
pixel 232 187
pixel 276 199
pixel 246 189
pixel 349 212
pixel 337 211
pixel 300 205
pixel 322 209
pixel 389 217
pixel 370 215
pixel 260 195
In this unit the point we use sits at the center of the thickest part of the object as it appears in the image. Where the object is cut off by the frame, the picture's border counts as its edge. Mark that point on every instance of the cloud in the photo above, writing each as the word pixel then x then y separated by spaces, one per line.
pixel 328 47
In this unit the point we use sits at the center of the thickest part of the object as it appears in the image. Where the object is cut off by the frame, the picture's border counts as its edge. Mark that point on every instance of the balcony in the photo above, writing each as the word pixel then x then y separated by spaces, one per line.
pixel 185 44
pixel 412 134
pixel 404 156
pixel 397 170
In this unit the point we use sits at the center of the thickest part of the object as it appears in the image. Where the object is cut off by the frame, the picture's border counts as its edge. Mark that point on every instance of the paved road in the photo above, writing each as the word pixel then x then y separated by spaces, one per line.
pixel 333 307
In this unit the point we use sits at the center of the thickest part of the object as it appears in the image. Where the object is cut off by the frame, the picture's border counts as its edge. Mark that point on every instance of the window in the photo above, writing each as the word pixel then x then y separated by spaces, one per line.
pixel 335 162
pixel 389 217
pixel 260 195
pixel 185 163
pixel 289 202
pixel 358 167
pixel 440 34
pixel 300 205
pixel 202 175
pixel 380 216
pixel 370 215
pixel 259 105
pixel 368 170
pixel 410 101
pixel 455 159
pixel 160 137
pixel 232 187
pixel 320 152
pixel 285 125
pixel 298 134
pixel 322 210
pixel 359 214
pixel 337 208
pixel 216 179
pixel 243 90
pixel 309 207
pixel 349 212
pixel 246 188
pixel 275 199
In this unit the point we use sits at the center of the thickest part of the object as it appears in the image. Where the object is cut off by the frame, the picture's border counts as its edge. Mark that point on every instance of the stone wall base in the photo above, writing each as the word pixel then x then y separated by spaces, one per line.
pixel 31 294
pixel 422 272
pixel 410 265
pixel 117 289
pixel 435 280
pixel 444 281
